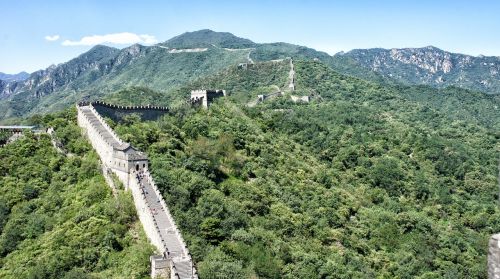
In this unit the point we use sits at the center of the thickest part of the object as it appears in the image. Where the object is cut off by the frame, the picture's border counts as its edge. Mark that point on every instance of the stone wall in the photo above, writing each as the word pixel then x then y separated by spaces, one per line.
pixel 262 98
pixel 117 113
pixel 102 148
pixel 296 99
pixel 205 97
pixel 145 215
pixel 160 267
pixel 494 257
pixel 151 208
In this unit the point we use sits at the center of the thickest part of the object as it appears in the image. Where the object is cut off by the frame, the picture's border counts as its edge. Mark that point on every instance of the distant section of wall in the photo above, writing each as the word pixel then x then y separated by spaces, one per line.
pixel 297 99
pixel 117 113
pixel 262 98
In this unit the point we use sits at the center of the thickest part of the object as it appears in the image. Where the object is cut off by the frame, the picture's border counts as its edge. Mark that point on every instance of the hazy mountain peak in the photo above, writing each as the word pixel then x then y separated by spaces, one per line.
pixel 430 47
pixel 101 50
pixel 206 38
pixel 14 77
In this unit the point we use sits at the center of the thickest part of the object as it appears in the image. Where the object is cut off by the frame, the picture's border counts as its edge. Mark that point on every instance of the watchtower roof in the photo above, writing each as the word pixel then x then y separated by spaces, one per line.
pixel 127 151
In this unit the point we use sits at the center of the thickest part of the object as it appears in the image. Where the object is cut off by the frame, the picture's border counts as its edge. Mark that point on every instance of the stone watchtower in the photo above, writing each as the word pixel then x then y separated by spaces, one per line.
pixel 205 97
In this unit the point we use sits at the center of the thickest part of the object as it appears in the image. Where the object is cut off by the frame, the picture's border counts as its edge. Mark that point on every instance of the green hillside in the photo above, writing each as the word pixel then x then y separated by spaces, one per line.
pixel 365 182
pixel 207 38
pixel 58 218
pixel 153 67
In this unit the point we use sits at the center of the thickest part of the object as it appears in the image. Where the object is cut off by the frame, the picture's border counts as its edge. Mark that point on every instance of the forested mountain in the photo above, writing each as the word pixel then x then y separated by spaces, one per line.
pixel 365 181
pixel 207 38
pixel 192 55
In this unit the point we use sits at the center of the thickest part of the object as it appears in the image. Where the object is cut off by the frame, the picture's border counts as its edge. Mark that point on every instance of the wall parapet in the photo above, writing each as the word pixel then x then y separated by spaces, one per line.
pixel 108 105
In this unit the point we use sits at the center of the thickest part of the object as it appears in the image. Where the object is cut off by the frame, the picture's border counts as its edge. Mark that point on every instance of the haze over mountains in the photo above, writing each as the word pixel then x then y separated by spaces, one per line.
pixel 194 55
pixel 14 77
pixel 430 66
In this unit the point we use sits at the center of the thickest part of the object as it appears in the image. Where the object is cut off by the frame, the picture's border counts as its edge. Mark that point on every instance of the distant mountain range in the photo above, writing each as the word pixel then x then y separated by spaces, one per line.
pixel 15 77
pixel 194 55
pixel 428 65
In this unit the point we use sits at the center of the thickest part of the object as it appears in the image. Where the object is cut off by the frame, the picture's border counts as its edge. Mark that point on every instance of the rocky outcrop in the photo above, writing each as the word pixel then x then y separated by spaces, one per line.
pixel 76 73
pixel 428 59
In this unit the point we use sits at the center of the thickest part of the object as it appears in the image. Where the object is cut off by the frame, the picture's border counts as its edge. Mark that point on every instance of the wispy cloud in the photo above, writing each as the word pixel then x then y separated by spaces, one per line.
pixel 116 38
pixel 52 38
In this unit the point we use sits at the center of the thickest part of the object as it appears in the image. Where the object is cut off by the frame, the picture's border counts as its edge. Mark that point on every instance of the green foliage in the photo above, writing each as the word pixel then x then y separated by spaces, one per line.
pixel 58 218
pixel 242 84
pixel 135 67
pixel 265 52
pixel 366 181
pixel 135 95
pixel 4 137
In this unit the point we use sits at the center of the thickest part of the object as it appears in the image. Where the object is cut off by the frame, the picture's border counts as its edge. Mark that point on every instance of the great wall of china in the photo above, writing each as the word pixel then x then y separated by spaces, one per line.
pixel 174 260
pixel 131 167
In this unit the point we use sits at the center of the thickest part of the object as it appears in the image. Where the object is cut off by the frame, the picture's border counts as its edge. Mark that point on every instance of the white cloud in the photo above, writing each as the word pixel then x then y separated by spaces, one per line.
pixel 52 38
pixel 124 38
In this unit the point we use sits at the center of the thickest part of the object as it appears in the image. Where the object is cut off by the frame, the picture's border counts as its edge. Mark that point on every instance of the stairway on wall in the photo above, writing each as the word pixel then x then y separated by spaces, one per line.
pixel 173 245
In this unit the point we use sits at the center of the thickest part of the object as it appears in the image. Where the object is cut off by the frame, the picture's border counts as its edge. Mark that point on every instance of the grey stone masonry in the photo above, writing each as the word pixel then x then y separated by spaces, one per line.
pixel 160 267
pixel 205 97
pixel 131 167
pixel 494 257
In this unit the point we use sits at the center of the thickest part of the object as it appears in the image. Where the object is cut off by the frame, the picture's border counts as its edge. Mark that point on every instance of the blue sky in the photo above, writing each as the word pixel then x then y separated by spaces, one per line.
pixel 36 34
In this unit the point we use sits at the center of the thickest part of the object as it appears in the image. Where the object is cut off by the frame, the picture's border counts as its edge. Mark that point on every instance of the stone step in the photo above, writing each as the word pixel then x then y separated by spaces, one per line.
pixel 183 268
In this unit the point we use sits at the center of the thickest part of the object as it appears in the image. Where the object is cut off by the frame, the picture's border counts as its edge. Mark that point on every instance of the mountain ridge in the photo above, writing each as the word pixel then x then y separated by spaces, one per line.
pixel 164 66
pixel 207 37
pixel 430 66
pixel 14 77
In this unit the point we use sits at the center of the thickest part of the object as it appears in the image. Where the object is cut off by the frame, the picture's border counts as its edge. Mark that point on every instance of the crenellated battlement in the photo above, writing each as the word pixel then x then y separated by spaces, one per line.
pixel 108 105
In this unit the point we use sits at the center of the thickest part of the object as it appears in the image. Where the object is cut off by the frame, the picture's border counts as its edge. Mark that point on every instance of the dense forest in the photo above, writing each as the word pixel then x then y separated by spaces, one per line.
pixel 365 181
pixel 58 218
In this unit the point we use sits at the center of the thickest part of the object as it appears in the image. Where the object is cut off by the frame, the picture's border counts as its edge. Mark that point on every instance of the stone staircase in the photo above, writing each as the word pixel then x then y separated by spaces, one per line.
pixel 183 269
pixel 173 244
